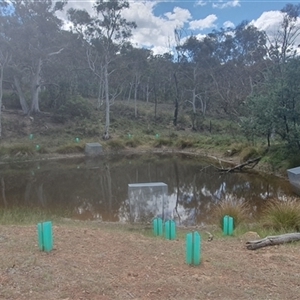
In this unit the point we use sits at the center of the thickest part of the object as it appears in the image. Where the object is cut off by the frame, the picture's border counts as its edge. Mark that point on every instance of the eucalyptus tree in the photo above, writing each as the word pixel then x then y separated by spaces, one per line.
pixel 196 62
pixel 241 53
pixel 274 107
pixel 34 40
pixel 159 79
pixel 136 61
pixel 5 50
pixel 72 75
pixel 106 33
pixel 283 44
pixel 274 103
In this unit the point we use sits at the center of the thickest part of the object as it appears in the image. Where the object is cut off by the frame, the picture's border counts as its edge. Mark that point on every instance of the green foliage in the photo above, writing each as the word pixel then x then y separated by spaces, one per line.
pixel 10 100
pixel 71 148
pixel 184 143
pixel 116 144
pixel 133 142
pixel 22 150
pixel 282 157
pixel 27 215
pixel 238 209
pixel 282 215
pixel 160 142
pixel 75 107
pixel 248 153
pixel 274 107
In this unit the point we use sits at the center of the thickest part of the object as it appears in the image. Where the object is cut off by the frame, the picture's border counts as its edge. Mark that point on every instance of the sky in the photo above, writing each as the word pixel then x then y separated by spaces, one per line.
pixel 156 19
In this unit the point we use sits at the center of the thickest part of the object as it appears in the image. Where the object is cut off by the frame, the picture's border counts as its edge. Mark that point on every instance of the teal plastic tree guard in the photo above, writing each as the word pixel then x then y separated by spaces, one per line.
pixel 170 230
pixel 228 225
pixel 193 248
pixel 157 226
pixel 45 236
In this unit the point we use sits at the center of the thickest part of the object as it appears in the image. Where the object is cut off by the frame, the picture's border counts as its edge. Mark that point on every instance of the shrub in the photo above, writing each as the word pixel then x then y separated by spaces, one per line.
pixel 238 209
pixel 184 143
pixel 282 215
pixel 75 107
pixel 160 142
pixel 133 142
pixel 11 101
pixel 70 148
pixel 21 150
pixel 116 144
pixel 248 153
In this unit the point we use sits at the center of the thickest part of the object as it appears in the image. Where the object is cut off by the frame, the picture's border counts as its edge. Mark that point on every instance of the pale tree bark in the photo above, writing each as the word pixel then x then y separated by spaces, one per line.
pixel 36 88
pixel 3 192
pixel 147 90
pixel 97 69
pixel 107 103
pixel 273 240
pixel 22 99
pixel 36 83
pixel 129 94
pixel 1 94
pixel 136 85
pixel 4 60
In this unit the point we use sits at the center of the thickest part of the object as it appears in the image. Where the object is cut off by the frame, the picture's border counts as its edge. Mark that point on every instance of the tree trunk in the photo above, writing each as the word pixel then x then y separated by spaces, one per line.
pixel 129 94
pixel 273 240
pixel 136 84
pixel 107 104
pixel 23 102
pixel 3 192
pixel 176 100
pixel 100 92
pixel 147 90
pixel 1 94
pixel 36 88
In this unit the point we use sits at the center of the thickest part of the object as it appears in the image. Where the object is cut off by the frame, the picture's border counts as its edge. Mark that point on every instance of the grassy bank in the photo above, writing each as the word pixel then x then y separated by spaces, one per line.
pixel 47 135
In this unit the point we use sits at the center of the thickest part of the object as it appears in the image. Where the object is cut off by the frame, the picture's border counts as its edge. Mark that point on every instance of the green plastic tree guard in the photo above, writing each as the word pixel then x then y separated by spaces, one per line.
pixel 228 225
pixel 193 248
pixel 170 230
pixel 45 236
pixel 157 226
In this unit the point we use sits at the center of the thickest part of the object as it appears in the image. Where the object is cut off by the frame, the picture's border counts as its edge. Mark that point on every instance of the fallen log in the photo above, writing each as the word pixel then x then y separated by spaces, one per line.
pixel 273 240
pixel 251 163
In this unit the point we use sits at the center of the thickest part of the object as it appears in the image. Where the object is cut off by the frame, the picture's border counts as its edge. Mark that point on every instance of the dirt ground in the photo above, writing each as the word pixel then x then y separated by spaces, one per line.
pixel 98 262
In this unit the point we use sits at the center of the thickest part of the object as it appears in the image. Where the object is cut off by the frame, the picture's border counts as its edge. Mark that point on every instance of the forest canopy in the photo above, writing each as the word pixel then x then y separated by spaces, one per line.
pixel 238 73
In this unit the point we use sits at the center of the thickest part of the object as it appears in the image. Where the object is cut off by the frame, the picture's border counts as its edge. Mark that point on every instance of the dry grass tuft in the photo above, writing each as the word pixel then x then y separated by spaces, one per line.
pixel 282 215
pixel 238 209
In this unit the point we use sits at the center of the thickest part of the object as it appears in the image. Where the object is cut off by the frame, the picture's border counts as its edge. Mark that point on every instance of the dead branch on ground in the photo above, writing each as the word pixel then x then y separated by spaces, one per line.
pixel 273 240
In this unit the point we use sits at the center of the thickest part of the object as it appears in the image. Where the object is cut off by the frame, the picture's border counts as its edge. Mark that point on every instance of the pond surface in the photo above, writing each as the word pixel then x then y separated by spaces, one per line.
pixel 90 189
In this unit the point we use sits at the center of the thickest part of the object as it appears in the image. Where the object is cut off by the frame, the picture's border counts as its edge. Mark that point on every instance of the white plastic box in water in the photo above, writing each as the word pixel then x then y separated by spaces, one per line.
pixel 147 201
pixel 294 178
pixel 93 149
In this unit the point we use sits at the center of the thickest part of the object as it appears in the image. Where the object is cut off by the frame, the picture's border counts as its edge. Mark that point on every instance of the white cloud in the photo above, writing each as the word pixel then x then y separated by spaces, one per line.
pixel 269 21
pixel 228 24
pixel 179 14
pixel 201 3
pixel 205 23
pixel 221 4
pixel 155 32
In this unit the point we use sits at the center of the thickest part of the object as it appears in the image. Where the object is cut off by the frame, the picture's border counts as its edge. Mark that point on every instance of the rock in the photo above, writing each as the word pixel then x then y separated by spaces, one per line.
pixel 250 235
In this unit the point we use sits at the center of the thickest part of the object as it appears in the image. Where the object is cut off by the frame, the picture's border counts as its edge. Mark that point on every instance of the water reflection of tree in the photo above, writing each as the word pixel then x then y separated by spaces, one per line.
pixel 101 186
pixel 3 192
